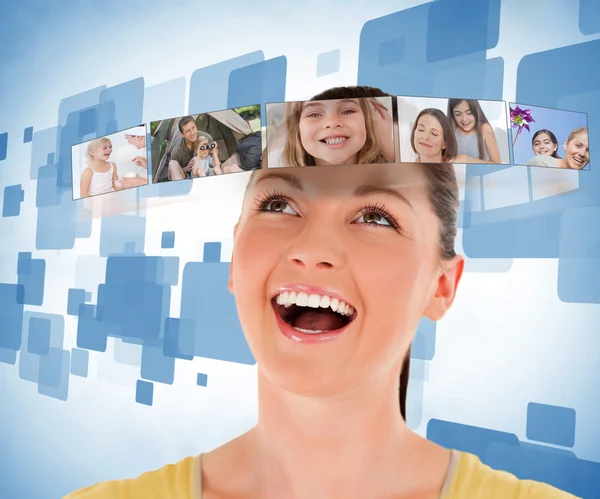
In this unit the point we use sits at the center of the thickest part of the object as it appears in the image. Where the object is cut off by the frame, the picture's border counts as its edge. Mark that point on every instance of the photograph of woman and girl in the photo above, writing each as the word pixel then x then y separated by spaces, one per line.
pixel 352 259
pixel 558 139
pixel 319 132
pixel 436 130
pixel 207 144
pixel 111 163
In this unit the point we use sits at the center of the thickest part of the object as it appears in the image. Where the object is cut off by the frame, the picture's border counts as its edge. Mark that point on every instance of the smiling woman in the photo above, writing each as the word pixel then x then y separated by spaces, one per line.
pixel 352 258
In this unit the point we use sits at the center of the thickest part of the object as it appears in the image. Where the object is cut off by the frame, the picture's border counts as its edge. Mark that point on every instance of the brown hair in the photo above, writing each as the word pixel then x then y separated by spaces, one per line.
pixel 184 121
pixel 293 152
pixel 443 197
pixel 451 149
pixel 575 132
pixel 480 120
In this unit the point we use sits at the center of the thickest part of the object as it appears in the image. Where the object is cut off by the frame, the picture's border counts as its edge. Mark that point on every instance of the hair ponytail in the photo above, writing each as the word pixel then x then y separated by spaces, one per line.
pixel 404 375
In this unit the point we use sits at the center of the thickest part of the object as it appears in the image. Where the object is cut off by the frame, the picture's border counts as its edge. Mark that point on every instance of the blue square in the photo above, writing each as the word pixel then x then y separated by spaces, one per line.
pixel 8 356
pixel 479 18
pixel 14 195
pixel 551 424
pixel 54 374
pixel 328 62
pixel 209 86
pixel 28 135
pixel 589 17
pixel 423 346
pixel 168 239
pixel 202 379
pixel 579 256
pixel 212 253
pixel 79 362
pixel 144 392
pixel 39 336
pixel 3 145
pixel 76 297
pixel 87 121
pixel 258 84
pixel 391 51
pixel 11 316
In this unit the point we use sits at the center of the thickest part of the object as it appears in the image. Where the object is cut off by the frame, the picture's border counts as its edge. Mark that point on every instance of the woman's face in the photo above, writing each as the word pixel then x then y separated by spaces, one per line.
pixel 103 151
pixel 429 137
pixel 464 118
pixel 333 131
pixel 577 152
pixel 202 153
pixel 352 253
pixel 543 145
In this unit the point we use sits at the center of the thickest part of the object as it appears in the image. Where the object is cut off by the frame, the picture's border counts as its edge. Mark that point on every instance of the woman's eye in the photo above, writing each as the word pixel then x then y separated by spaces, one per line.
pixel 377 218
pixel 278 206
pixel 349 111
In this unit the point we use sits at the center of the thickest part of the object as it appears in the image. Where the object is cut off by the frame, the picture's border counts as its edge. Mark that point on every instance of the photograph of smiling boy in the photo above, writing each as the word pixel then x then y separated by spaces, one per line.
pixel 557 139
pixel 207 144
pixel 110 163
pixel 328 130
pixel 474 132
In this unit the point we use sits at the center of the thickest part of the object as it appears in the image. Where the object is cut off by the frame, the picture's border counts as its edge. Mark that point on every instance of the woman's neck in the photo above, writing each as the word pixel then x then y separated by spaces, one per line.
pixel 353 445
pixel 433 158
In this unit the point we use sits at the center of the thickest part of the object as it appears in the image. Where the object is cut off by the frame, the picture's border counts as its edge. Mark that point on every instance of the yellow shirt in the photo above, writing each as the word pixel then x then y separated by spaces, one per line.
pixel 468 478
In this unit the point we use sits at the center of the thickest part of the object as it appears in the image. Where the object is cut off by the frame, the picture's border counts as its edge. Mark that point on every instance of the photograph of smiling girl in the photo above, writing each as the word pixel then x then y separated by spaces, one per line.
pixel 556 139
pixel 332 130
pixel 110 163
pixel 462 131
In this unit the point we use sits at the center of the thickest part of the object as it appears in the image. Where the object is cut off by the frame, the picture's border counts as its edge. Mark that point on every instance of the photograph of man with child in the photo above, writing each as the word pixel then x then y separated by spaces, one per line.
pixel 207 144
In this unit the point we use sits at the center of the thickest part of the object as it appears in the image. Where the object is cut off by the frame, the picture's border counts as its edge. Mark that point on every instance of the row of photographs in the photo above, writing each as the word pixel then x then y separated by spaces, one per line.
pixel 332 132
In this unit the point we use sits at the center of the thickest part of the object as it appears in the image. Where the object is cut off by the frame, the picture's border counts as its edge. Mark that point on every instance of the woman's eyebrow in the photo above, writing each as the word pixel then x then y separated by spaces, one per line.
pixel 366 190
pixel 290 179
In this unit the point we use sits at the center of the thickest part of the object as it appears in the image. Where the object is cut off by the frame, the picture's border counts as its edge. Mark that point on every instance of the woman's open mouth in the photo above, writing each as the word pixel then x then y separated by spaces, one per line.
pixel 312 314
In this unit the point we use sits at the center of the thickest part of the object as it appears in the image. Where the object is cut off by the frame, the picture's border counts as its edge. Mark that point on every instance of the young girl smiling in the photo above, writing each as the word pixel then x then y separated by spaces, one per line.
pixel 100 176
pixel 474 135
pixel 332 132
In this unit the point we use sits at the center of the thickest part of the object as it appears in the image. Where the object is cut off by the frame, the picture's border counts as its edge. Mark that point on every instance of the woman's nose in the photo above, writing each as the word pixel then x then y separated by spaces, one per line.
pixel 316 247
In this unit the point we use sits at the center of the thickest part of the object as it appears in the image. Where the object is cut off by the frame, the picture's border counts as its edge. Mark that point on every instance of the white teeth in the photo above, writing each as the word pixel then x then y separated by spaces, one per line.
pixel 334 304
pixel 308 331
pixel 337 140
pixel 314 301
pixel 302 300
pixel 289 298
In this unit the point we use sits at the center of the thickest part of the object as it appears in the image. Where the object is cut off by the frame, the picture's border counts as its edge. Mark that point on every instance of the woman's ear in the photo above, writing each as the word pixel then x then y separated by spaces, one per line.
pixel 445 289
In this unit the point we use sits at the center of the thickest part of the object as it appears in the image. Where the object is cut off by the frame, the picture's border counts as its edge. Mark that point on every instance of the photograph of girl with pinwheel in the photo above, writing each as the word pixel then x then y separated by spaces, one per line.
pixel 551 138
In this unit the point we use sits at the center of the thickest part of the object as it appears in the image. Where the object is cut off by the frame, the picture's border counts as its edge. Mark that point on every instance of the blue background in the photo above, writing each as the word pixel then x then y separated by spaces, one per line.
pixel 558 121
pixel 120 353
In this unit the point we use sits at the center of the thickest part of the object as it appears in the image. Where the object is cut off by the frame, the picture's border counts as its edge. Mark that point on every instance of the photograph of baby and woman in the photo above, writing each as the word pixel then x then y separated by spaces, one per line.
pixel 111 163
pixel 464 131
pixel 207 144
pixel 549 137
pixel 331 129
